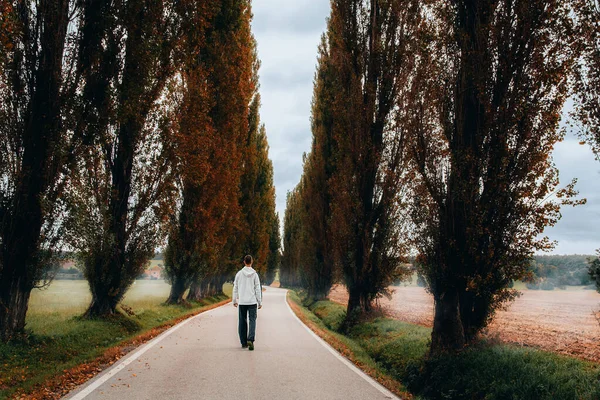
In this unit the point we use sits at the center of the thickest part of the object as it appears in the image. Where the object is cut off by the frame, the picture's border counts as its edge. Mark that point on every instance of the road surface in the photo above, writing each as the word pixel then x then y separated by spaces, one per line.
pixel 201 358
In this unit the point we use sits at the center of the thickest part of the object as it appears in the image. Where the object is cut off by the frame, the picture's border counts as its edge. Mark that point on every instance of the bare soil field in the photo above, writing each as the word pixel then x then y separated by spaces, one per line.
pixel 559 321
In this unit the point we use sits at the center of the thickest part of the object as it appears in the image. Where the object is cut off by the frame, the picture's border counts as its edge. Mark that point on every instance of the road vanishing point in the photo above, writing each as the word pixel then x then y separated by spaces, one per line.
pixel 201 358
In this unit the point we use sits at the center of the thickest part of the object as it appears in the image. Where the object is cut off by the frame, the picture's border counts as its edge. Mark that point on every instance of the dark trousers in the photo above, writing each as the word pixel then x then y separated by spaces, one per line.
pixel 247 313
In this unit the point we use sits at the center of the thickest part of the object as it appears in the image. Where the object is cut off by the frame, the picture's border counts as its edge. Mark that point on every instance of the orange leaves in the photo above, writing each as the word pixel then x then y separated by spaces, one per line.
pixel 209 135
pixel 257 192
pixel 347 208
pixel 7 28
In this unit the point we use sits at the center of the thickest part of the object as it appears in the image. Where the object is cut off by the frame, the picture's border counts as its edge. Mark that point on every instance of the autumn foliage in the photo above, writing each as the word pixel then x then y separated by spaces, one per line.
pixel 350 196
pixel 124 123
pixel 216 82
pixel 227 194
pixel 482 152
pixel 442 120
pixel 260 225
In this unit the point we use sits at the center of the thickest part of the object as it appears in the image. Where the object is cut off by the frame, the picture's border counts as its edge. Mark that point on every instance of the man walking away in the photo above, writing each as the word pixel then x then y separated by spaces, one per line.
pixel 247 293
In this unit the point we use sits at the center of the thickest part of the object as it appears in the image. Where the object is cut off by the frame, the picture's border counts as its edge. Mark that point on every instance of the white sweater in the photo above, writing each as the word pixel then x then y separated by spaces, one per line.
pixel 246 288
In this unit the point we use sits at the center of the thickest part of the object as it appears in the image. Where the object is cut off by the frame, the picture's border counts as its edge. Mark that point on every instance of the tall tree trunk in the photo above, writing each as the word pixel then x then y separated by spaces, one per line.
pixel 219 282
pixel 178 289
pixel 354 309
pixel 354 305
pixel 13 307
pixel 212 289
pixel 19 258
pixel 366 302
pixel 324 289
pixel 447 334
pixel 106 286
pixel 196 292
pixel 102 304
pixel 474 313
pixel 466 305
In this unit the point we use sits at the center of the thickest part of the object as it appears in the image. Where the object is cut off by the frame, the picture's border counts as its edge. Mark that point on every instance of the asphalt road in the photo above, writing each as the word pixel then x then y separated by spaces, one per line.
pixel 201 358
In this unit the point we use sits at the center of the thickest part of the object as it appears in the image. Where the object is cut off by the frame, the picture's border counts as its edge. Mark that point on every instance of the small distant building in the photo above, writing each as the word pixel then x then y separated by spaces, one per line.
pixel 154 272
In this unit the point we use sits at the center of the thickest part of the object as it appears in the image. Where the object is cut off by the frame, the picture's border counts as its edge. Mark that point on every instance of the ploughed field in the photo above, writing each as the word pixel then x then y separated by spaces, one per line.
pixel 562 321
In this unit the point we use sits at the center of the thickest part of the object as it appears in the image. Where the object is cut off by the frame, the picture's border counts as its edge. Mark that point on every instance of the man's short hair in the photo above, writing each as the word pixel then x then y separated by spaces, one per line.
pixel 248 259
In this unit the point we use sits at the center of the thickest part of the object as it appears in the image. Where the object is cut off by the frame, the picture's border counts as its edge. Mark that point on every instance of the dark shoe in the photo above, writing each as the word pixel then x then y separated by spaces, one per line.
pixel 244 346
pixel 250 346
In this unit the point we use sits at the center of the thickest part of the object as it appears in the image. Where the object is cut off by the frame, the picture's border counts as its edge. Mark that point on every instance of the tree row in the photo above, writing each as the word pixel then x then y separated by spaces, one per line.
pixel 127 126
pixel 433 125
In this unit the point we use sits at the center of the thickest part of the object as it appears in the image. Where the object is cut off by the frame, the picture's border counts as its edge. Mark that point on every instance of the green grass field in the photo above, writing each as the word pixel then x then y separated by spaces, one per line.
pixel 58 339
pixel 486 371
pixel 72 297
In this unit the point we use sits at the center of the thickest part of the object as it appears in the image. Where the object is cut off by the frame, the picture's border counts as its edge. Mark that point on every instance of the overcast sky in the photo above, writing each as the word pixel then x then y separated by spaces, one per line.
pixel 288 33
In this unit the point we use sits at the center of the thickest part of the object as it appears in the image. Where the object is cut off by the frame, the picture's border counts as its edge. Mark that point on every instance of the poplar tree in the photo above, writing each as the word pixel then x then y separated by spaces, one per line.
pixel 122 189
pixel 493 83
pixel 193 130
pixel 217 84
pixel 257 190
pixel 232 52
pixel 257 197
pixel 289 272
pixel 316 197
pixel 36 64
pixel 274 259
pixel 371 45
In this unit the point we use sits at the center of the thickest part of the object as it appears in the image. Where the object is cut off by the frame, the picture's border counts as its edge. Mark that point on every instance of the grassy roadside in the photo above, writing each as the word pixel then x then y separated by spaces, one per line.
pixel 62 350
pixel 488 371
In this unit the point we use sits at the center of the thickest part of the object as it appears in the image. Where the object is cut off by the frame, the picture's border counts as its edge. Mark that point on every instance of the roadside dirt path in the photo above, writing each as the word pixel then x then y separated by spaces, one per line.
pixel 559 321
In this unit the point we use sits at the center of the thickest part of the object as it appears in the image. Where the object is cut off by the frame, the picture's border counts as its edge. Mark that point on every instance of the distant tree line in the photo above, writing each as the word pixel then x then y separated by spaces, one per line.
pixel 125 127
pixel 550 271
pixel 433 125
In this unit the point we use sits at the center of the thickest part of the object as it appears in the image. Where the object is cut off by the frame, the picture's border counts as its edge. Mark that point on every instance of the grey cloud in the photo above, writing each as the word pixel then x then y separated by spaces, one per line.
pixel 288 64
pixel 281 108
pixel 578 231
pixel 297 16
pixel 288 79
pixel 287 161
pixel 567 246
pixel 288 33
